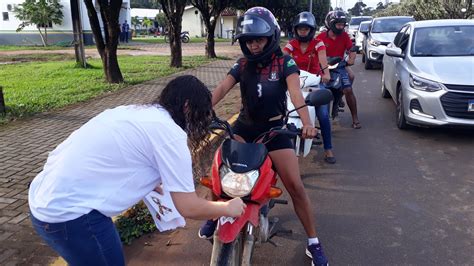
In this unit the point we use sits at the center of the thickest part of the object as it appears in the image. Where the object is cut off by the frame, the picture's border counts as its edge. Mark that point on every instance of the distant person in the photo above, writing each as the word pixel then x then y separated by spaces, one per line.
pixel 125 31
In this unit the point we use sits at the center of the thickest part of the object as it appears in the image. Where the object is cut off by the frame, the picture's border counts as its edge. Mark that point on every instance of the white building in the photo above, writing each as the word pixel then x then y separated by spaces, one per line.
pixel 56 33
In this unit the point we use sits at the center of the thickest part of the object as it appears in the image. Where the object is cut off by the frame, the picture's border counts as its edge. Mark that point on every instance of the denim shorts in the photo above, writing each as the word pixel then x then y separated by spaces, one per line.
pixel 345 80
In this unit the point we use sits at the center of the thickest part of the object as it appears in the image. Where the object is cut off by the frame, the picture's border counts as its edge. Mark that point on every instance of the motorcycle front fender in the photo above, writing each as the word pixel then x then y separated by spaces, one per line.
pixel 228 231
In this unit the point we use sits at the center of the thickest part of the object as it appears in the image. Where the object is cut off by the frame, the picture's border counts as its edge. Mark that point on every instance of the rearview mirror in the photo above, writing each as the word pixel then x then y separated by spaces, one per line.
pixel 395 52
pixel 319 98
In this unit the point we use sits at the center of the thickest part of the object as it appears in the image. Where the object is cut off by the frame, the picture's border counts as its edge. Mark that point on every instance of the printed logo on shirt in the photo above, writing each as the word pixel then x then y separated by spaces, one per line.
pixel 274 77
pixel 290 63
pixel 235 66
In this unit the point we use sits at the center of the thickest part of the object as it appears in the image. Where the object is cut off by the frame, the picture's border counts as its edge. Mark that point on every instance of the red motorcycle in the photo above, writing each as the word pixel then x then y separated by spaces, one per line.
pixel 245 170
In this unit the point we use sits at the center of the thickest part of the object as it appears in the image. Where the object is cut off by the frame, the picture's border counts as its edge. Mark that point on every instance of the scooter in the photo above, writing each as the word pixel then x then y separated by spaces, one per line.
pixel 245 170
pixel 308 83
pixel 335 83
pixel 183 35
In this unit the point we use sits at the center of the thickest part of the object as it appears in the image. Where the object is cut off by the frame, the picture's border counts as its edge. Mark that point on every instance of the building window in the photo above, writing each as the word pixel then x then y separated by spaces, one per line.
pixel 9 7
pixel 5 16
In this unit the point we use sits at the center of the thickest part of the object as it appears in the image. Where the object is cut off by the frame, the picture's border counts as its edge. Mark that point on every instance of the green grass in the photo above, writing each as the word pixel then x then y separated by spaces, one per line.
pixel 40 86
pixel 162 40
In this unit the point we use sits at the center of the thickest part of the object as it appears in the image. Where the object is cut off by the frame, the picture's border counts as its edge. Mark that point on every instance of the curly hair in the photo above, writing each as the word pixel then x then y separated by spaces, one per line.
pixel 189 102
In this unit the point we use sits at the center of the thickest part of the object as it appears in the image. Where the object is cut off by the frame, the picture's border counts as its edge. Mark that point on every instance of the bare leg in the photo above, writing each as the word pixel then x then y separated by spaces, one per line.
pixel 352 103
pixel 286 164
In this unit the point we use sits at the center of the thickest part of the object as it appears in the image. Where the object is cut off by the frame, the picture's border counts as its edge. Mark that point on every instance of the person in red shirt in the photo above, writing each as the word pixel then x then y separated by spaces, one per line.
pixel 309 53
pixel 337 43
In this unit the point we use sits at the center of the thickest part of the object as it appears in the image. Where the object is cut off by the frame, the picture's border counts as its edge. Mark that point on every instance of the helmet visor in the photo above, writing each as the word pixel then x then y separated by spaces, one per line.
pixel 252 26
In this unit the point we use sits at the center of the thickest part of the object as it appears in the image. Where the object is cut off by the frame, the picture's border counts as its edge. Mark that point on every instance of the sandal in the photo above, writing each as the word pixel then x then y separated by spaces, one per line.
pixel 330 160
pixel 356 125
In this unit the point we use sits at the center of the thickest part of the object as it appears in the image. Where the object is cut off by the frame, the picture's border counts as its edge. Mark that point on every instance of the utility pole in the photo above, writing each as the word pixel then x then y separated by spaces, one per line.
pixel 77 31
pixel 311 6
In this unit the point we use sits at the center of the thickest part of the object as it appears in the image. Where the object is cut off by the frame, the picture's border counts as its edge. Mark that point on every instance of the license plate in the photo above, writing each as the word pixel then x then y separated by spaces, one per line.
pixel 470 106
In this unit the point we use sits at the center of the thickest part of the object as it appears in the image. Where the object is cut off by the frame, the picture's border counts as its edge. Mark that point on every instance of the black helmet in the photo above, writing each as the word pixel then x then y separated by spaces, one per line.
pixel 334 17
pixel 305 19
pixel 258 22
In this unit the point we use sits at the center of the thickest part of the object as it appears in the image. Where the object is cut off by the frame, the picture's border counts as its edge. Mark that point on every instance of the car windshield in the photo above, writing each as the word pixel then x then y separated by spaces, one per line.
pixel 443 41
pixel 355 22
pixel 389 25
pixel 364 26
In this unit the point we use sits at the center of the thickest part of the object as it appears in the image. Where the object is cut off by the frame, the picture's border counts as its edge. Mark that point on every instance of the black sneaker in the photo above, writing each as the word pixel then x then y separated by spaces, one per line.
pixel 315 252
pixel 342 104
pixel 207 229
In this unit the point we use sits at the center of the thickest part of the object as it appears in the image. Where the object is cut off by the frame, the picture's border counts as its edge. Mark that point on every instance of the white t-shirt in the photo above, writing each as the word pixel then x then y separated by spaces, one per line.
pixel 111 163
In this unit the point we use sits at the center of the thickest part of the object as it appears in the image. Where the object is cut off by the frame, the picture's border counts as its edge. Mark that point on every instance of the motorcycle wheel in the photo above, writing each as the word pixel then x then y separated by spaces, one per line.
pixel 185 39
pixel 167 39
pixel 228 254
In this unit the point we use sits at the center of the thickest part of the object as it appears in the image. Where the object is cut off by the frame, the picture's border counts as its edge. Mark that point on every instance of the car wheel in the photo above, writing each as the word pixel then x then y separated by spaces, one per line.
pixel 363 57
pixel 367 64
pixel 385 93
pixel 401 120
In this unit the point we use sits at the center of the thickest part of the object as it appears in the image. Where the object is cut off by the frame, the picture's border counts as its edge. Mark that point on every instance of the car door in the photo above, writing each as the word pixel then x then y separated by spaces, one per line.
pixel 390 77
pixel 401 71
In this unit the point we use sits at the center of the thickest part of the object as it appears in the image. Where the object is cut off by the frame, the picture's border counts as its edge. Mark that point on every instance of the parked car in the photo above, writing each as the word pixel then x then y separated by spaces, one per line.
pixel 359 39
pixel 381 32
pixel 354 25
pixel 428 71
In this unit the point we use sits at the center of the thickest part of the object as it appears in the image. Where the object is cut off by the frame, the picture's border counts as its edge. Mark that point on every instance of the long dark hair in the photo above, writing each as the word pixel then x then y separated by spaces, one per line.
pixel 189 102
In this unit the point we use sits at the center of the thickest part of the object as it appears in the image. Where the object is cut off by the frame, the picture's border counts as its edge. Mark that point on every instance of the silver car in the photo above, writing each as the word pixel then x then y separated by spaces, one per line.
pixel 428 70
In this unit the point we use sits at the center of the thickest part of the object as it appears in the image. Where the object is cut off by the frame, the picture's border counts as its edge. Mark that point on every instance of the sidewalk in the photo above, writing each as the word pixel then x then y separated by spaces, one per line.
pixel 25 145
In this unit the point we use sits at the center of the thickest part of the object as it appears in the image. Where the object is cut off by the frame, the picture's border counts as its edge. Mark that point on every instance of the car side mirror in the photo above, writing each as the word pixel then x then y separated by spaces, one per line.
pixel 395 52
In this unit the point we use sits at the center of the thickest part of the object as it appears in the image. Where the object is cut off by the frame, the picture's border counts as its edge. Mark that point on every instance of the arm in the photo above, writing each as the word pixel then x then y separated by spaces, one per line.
pixel 293 82
pixel 222 89
pixel 191 206
pixel 324 63
pixel 352 57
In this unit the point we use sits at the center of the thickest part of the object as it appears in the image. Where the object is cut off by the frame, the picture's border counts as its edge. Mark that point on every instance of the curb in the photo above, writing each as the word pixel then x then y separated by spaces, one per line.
pixel 212 141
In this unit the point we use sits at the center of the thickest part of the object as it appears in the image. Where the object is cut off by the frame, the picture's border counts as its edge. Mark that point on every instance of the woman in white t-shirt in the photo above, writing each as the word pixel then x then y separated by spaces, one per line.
pixel 112 162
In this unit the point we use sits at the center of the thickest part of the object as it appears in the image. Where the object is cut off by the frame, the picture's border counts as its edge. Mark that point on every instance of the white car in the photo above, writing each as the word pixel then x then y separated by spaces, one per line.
pixel 428 70
pixel 381 32
pixel 354 25
pixel 359 37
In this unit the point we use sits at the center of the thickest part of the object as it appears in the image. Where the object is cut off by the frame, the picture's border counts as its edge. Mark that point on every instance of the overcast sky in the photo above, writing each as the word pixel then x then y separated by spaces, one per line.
pixel 351 3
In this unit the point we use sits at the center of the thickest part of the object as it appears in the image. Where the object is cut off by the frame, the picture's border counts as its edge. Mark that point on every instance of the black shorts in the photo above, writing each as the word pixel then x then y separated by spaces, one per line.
pixel 249 132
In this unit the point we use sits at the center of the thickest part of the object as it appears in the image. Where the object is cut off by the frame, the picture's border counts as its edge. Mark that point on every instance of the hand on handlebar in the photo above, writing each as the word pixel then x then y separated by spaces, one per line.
pixel 308 132
pixel 326 77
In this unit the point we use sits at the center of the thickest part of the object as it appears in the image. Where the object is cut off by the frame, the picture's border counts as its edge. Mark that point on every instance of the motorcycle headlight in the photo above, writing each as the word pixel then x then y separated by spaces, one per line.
pixel 374 42
pixel 422 84
pixel 237 184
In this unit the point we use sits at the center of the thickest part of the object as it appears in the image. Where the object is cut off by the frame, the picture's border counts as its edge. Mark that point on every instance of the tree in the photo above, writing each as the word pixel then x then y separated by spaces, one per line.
pixel 145 4
pixel 432 9
pixel 106 41
pixel 358 9
pixel 135 22
pixel 174 10
pixel 380 6
pixel 147 23
pixel 210 12
pixel 42 13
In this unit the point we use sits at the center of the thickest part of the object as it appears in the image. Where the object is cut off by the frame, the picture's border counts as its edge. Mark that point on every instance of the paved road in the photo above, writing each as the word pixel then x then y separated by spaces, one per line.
pixel 394 197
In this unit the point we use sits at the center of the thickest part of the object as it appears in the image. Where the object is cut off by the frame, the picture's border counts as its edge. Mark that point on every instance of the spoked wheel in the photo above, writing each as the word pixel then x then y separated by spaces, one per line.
pixel 185 39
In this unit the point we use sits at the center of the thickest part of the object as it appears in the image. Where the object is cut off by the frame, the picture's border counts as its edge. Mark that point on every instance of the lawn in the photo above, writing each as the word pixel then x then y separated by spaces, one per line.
pixel 40 86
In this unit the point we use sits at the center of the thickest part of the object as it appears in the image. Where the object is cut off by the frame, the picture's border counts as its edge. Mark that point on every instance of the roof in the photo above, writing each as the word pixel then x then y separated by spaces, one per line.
pixel 441 22
pixel 392 17
pixel 144 12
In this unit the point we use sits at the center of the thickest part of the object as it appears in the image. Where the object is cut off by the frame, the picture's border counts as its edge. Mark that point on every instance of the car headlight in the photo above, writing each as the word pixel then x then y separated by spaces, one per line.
pixel 374 42
pixel 422 84
pixel 237 184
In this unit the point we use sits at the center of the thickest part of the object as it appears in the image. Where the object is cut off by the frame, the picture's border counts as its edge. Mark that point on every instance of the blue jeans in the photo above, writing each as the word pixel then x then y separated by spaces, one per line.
pixel 322 112
pixel 88 240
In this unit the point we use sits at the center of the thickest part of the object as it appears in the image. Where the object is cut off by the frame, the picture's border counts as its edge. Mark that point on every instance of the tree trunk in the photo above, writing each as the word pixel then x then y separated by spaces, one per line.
pixel 42 37
pixel 175 47
pixel 107 45
pixel 210 42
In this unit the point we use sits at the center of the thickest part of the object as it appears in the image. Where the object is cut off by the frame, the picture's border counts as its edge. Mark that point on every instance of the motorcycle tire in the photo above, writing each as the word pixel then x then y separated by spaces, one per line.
pixel 167 39
pixel 185 39
pixel 229 254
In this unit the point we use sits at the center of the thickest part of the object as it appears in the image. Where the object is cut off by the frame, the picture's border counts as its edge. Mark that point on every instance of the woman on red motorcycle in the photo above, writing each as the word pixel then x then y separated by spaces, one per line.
pixel 265 74
pixel 309 53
